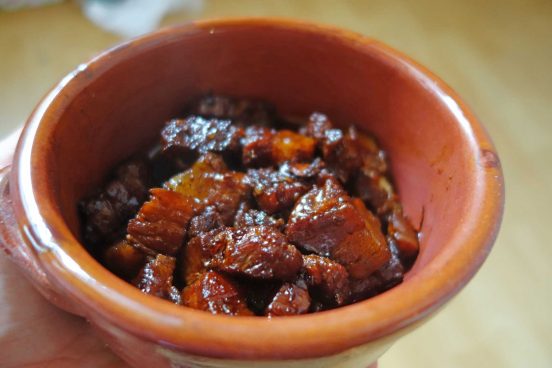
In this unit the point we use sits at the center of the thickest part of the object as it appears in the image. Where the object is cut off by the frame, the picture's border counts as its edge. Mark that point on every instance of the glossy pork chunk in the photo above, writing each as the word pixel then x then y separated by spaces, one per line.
pixel 259 252
pixel 213 292
pixel 240 212
pixel 327 222
pixel 107 212
pixel 275 191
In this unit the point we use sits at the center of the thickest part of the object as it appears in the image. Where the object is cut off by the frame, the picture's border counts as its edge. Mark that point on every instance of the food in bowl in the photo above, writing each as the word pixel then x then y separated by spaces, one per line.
pixel 240 211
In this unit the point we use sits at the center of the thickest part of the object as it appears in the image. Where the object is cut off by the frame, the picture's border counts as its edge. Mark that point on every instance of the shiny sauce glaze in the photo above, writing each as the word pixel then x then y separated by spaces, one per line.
pixel 238 211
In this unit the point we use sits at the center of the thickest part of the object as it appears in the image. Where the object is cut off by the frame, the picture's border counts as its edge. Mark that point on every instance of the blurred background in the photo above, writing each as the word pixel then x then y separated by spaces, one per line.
pixel 496 54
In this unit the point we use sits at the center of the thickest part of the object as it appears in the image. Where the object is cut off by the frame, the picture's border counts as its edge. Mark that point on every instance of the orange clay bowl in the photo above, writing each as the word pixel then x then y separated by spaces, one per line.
pixel 444 164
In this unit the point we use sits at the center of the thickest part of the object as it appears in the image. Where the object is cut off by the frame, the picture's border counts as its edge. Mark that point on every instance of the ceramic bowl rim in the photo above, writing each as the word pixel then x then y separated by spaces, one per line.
pixel 196 332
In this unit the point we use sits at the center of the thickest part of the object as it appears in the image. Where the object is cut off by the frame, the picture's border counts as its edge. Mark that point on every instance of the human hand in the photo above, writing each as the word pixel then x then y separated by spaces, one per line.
pixel 34 333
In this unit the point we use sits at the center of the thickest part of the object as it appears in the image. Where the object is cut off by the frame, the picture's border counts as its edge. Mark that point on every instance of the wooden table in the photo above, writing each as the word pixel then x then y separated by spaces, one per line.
pixel 496 54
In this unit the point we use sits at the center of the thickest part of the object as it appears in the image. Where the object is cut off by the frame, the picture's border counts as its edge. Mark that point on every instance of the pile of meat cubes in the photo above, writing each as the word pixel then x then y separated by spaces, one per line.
pixel 239 211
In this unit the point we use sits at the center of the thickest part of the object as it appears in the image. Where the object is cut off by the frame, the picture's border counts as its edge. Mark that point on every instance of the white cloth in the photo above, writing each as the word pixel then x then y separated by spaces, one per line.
pixel 130 18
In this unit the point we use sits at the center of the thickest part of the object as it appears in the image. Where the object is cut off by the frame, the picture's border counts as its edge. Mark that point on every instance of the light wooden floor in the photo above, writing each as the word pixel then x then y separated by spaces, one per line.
pixel 497 54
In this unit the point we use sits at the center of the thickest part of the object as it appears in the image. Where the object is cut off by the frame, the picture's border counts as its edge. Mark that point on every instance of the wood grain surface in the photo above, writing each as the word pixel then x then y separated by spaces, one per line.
pixel 496 54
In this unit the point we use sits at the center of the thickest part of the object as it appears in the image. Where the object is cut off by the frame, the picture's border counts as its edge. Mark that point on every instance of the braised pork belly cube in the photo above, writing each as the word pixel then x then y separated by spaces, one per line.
pixel 241 111
pixel 403 235
pixel 124 260
pixel 156 278
pixel 130 188
pixel 101 220
pixel 341 153
pixel 316 126
pixel 275 191
pixel 303 170
pixel 290 146
pixel 247 216
pixel 376 190
pixel 192 261
pixel 209 219
pixel 322 218
pixel 345 152
pixel 369 242
pixel 160 225
pixel 210 183
pixel 291 299
pixel 215 293
pixel 265 147
pixel 260 252
pixel 339 150
pixel 134 176
pixel 328 279
pixel 389 275
pixel 371 158
pixel 201 135
pixel 105 214
pixel 328 222
pixel 257 146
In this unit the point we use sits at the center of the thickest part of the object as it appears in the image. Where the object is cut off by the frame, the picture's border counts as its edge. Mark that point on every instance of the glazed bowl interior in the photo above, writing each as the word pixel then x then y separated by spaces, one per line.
pixel 115 106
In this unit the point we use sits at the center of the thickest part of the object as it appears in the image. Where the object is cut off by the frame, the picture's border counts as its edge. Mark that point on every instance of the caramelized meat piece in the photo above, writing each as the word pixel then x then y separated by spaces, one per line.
pixel 383 279
pixel 106 213
pixel 371 183
pixel 215 293
pixel 257 146
pixel 327 277
pixel 250 217
pixel 156 278
pixel 197 134
pixel 207 163
pixel 327 222
pixel 341 154
pixel 290 146
pixel 264 147
pixel 102 221
pixel 260 252
pixel 344 153
pixel 291 299
pixel 240 110
pixel 401 232
pixel 134 176
pixel 129 189
pixel 206 221
pixel 211 184
pixel 322 218
pixel 376 190
pixel 124 260
pixel 363 251
pixel 192 260
pixel 162 221
pixel 317 126
pixel 275 191
pixel 373 159
pixel 303 170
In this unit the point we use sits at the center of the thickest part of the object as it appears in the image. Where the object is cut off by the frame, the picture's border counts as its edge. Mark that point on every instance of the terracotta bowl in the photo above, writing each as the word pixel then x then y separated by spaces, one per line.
pixel 444 164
